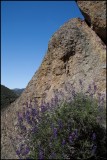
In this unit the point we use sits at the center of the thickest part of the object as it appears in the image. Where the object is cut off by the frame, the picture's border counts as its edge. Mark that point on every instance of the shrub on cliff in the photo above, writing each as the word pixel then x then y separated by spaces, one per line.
pixel 68 129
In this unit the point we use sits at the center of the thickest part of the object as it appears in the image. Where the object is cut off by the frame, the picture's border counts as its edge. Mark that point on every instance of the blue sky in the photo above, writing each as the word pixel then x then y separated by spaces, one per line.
pixel 26 28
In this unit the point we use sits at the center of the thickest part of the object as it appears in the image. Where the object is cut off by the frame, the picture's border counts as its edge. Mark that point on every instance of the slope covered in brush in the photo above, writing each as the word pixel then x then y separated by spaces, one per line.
pixel 7 96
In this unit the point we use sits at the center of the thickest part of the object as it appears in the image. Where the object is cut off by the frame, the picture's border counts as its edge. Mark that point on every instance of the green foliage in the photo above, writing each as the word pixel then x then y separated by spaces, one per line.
pixel 67 132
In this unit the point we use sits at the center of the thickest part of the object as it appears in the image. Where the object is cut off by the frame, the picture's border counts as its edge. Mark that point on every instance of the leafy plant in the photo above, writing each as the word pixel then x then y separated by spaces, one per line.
pixel 68 129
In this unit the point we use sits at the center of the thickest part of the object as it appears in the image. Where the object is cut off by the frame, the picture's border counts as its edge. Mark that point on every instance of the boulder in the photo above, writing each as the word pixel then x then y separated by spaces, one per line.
pixel 94 13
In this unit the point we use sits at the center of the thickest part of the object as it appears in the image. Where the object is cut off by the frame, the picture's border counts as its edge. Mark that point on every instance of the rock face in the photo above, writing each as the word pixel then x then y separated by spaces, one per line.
pixel 74 52
pixel 95 15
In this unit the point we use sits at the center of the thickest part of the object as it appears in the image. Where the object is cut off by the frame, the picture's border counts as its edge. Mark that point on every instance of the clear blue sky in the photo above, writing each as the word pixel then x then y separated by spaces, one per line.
pixel 26 28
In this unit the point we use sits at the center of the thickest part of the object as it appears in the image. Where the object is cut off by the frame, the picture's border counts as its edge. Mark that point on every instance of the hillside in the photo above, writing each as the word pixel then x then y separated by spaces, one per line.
pixel 18 91
pixel 7 96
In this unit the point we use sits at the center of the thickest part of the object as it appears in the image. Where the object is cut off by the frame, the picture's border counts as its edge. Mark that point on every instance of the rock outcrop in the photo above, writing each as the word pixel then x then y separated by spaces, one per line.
pixel 74 52
pixel 95 15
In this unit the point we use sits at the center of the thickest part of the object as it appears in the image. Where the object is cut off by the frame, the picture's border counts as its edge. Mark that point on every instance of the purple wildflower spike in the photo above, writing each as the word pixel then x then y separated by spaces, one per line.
pixel 40 154
pixel 26 151
pixel 70 139
pixel 73 135
pixel 93 136
pixel 55 132
pixel 34 112
pixel 60 123
pixel 20 117
pixel 63 142
pixel 43 108
pixel 18 152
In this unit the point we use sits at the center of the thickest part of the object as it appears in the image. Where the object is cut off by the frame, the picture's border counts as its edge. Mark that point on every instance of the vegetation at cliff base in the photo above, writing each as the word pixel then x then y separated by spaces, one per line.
pixel 64 129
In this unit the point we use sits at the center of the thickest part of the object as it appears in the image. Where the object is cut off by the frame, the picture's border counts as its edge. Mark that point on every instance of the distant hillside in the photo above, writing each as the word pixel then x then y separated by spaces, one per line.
pixel 18 91
pixel 7 96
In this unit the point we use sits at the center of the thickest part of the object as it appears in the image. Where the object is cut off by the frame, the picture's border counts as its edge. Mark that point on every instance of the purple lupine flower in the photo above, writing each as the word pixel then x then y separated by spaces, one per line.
pixel 40 154
pixel 33 112
pixel 73 135
pixel 61 93
pixel 18 152
pixel 29 121
pixel 26 151
pixel 63 142
pixel 93 136
pixel 27 113
pixel 70 139
pixel 60 123
pixel 28 118
pixel 43 108
pixel 55 132
pixel 33 130
pixel 20 118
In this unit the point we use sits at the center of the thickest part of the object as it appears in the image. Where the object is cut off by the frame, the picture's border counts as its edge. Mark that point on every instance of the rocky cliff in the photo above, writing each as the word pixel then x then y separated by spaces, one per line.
pixel 95 15
pixel 74 52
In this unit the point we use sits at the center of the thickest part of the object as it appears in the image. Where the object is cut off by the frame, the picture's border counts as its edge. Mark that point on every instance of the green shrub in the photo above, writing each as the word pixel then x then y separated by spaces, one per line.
pixel 72 130
pixel 64 129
